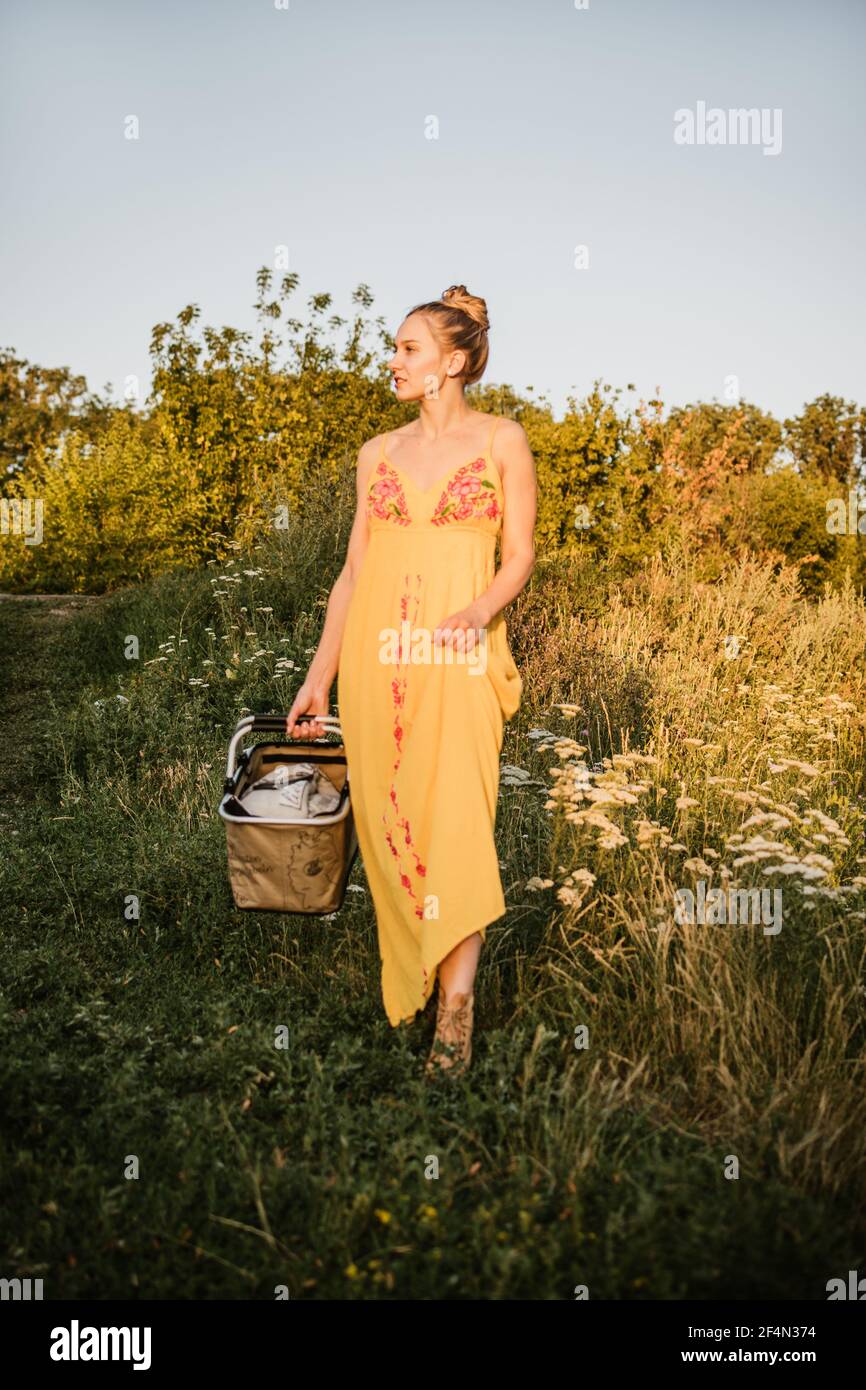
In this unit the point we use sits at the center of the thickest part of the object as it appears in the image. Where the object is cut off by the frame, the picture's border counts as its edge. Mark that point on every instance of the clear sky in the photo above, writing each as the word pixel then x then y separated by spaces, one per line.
pixel 308 125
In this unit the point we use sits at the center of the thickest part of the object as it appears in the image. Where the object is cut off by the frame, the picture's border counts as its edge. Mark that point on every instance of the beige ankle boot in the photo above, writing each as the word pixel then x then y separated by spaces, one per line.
pixel 452 1043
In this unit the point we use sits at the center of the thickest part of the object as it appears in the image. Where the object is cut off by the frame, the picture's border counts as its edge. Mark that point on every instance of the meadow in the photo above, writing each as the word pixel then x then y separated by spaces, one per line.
pixel 656 1108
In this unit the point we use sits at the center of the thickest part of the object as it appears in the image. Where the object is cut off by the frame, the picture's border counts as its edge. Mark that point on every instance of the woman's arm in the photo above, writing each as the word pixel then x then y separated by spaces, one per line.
pixel 518 521
pixel 518 547
pixel 312 698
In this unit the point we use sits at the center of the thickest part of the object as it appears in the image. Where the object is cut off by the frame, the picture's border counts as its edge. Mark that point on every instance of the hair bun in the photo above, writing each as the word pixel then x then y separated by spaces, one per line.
pixel 458 297
pixel 459 323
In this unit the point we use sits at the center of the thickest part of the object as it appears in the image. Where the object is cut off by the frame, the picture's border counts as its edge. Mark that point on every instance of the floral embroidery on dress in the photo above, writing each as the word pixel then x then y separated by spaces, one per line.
pixel 467 498
pixel 398 695
pixel 385 498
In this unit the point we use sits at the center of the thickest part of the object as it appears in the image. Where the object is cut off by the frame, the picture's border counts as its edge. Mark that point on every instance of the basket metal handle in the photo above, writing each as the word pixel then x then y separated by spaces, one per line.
pixel 274 724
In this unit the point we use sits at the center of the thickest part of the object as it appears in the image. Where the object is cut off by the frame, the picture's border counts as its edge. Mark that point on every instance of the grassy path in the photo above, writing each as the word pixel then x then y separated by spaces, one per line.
pixel 31 630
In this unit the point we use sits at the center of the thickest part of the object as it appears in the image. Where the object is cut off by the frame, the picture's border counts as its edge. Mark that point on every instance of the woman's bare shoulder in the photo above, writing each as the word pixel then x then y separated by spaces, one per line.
pixel 510 444
pixel 511 453
pixel 508 431
pixel 370 447
pixel 370 453
pixel 374 446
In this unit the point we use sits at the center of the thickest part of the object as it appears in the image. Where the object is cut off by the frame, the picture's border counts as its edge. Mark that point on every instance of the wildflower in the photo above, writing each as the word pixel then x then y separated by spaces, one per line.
pixel 572 896
pixel 768 818
pixel 568 748
pixel 787 763
pixel 793 868
pixel 611 835
pixel 647 831
pixel 611 796
pixel 761 848
pixel 819 859
pixel 514 776
pixel 813 814
pixel 698 866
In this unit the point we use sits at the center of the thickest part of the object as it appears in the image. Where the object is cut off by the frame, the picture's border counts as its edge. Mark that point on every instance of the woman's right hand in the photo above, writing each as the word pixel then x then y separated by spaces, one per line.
pixel 310 700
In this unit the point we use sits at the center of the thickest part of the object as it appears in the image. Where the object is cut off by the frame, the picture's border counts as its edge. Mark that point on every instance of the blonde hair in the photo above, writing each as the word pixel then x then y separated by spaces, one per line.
pixel 459 321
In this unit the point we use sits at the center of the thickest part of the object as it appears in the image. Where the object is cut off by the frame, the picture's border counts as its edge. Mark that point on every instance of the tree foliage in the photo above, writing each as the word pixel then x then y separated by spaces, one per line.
pixel 237 423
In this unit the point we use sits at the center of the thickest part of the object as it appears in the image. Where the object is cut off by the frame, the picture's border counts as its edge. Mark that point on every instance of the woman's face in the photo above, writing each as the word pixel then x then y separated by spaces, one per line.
pixel 419 366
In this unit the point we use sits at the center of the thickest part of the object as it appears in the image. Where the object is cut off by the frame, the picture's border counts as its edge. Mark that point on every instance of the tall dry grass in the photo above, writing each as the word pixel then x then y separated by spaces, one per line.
pixel 749 775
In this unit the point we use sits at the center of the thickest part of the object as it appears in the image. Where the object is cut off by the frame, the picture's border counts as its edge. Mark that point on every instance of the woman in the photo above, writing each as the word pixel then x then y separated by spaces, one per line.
pixel 425 675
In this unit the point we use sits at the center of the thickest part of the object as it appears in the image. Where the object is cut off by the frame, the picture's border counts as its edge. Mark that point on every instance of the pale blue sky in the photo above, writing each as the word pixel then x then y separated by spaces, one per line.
pixel 306 126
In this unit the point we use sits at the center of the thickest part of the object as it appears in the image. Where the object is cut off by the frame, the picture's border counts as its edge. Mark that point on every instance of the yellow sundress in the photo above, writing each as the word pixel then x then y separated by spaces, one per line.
pixel 423 736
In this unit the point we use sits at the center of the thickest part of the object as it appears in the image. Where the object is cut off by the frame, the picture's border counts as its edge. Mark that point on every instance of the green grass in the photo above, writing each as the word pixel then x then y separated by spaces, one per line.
pixel 330 1166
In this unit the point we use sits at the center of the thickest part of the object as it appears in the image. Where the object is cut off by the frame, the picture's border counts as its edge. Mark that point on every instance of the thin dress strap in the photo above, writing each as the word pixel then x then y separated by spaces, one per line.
pixel 492 432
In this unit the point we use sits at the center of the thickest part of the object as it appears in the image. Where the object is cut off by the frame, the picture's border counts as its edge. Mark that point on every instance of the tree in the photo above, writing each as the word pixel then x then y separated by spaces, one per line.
pixel 38 406
pixel 828 440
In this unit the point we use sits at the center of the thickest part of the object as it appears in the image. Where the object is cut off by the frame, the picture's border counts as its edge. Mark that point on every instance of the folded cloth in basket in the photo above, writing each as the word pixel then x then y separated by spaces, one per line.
pixel 294 791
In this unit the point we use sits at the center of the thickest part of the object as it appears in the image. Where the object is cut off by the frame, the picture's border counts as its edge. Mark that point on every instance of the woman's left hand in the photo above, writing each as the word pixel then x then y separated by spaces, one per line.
pixel 465 628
